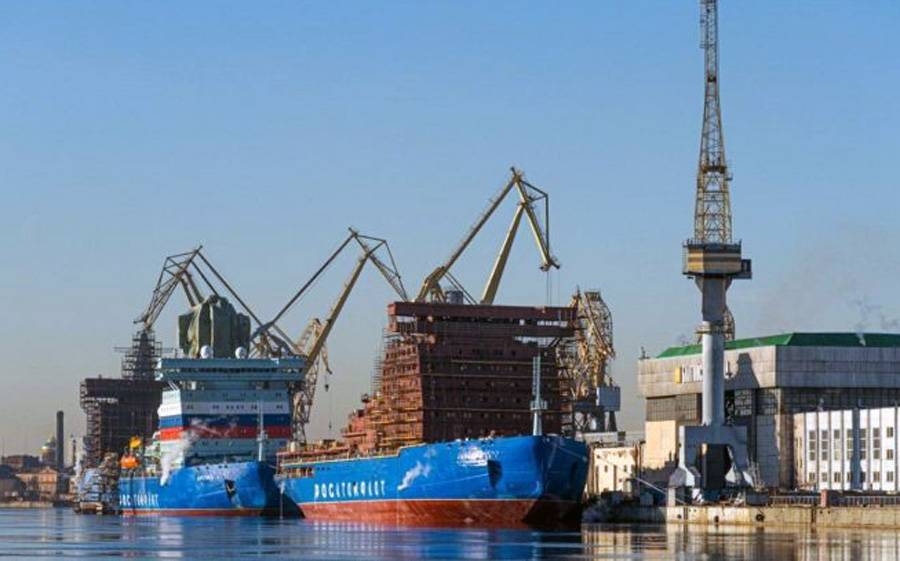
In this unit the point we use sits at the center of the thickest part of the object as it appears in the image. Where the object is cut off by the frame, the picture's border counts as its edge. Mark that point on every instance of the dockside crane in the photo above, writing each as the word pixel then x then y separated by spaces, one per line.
pixel 184 270
pixel 312 342
pixel 529 196
pixel 585 361
pixel 712 259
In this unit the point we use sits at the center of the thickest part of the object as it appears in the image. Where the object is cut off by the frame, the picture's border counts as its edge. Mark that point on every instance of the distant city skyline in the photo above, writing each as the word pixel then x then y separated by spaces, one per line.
pixel 133 131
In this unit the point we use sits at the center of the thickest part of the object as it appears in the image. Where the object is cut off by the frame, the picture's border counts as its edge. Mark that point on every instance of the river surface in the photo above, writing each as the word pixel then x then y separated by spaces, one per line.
pixel 61 534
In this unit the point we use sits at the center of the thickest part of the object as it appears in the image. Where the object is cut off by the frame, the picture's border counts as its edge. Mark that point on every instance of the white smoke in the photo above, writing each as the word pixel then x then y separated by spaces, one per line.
pixel 873 316
pixel 78 460
pixel 172 454
pixel 419 470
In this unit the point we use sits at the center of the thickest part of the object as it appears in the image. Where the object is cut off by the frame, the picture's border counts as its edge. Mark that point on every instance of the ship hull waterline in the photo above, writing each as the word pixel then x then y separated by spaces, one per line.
pixel 225 489
pixel 487 482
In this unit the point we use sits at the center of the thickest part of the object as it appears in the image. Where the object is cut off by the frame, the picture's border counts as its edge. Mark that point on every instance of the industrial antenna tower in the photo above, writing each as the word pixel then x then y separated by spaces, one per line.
pixel 713 260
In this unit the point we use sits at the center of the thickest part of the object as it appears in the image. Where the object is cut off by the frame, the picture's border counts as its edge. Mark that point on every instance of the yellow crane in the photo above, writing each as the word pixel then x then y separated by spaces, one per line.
pixel 585 360
pixel 431 289
pixel 312 342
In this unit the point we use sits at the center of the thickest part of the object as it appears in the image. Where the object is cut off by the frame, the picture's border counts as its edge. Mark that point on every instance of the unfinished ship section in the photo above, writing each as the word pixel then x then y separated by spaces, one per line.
pixel 461 371
pixel 472 410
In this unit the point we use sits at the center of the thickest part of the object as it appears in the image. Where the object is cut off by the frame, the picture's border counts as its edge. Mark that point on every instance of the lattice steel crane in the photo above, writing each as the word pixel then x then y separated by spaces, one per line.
pixel 179 270
pixel 528 195
pixel 712 207
pixel 585 362
pixel 713 260
pixel 312 342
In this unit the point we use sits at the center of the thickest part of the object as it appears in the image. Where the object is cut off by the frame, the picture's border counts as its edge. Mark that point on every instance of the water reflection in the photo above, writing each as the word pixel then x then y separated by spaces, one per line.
pixel 61 534
pixel 729 543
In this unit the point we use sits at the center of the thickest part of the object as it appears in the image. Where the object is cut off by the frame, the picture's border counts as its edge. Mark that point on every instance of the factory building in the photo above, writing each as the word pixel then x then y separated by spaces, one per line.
pixel 769 380
pixel 825 443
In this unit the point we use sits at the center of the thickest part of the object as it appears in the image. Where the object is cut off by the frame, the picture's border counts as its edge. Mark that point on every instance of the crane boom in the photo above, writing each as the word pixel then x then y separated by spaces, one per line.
pixel 311 344
pixel 431 285
pixel 336 309
pixel 389 272
pixel 541 235
pixel 526 207
pixel 174 273
pixel 493 282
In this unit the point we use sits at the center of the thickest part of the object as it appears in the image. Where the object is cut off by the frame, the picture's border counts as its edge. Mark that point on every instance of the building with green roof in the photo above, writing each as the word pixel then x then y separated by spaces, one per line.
pixel 768 380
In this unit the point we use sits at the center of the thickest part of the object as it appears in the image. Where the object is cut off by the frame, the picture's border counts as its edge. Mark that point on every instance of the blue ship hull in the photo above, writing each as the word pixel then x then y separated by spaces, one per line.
pixel 508 480
pixel 234 488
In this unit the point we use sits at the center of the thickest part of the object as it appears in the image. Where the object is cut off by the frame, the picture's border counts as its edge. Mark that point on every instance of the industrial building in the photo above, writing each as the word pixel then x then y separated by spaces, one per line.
pixel 615 463
pixel 826 445
pixel 768 381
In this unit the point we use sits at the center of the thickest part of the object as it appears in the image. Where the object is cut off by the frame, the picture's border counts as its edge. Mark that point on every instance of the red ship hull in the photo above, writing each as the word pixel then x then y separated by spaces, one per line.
pixel 448 512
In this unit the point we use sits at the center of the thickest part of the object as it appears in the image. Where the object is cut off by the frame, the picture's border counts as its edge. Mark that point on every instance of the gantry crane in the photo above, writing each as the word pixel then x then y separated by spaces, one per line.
pixel 585 363
pixel 312 342
pixel 528 195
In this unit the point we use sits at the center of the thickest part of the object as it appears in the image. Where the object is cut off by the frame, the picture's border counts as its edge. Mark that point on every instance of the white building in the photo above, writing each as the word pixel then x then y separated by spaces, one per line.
pixel 825 444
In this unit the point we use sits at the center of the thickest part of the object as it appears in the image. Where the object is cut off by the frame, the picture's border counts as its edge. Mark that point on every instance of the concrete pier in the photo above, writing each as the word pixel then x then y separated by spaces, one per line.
pixel 876 517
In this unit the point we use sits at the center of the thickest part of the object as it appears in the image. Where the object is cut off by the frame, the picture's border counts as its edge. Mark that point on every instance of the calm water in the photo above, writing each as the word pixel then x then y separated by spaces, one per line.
pixel 44 534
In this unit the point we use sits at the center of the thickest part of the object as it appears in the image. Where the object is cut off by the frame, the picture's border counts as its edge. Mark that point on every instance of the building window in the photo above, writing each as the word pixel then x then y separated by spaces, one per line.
pixel 890 476
pixel 876 477
pixel 889 454
pixel 824 477
pixel 889 432
pixel 811 478
pixel 837 477
pixel 824 445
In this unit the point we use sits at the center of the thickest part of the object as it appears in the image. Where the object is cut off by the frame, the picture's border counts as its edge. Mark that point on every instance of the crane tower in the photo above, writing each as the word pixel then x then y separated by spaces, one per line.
pixel 712 259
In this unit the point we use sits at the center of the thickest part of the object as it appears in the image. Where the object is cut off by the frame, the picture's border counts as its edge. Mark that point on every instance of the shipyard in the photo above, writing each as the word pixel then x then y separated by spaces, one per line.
pixel 329 282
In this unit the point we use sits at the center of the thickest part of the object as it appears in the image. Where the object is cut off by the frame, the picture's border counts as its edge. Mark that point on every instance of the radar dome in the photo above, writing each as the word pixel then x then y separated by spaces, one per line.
pixel 240 352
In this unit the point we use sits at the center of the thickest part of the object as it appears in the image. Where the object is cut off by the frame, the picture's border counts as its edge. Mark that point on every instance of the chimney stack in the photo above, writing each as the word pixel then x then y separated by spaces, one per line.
pixel 60 443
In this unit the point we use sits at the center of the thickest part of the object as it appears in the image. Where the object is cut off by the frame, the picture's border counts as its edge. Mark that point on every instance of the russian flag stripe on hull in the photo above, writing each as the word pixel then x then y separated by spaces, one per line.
pixel 230 432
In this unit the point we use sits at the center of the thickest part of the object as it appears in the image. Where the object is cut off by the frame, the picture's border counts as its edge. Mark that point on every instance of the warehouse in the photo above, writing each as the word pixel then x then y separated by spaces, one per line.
pixel 768 381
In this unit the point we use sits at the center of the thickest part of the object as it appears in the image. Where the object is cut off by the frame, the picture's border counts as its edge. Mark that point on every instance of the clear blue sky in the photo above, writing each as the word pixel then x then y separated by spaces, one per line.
pixel 131 130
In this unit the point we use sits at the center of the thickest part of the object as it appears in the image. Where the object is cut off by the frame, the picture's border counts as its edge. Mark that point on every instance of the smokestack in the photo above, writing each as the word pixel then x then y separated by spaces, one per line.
pixel 60 443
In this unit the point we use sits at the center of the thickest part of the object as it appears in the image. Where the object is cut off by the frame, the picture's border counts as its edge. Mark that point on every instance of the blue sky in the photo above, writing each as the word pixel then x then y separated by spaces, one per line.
pixel 132 130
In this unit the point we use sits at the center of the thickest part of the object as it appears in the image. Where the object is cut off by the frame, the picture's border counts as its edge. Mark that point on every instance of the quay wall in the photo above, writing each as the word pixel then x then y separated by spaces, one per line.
pixel 766 516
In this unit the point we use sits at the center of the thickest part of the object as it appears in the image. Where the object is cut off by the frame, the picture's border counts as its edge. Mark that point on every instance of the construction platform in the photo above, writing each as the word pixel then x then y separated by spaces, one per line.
pixel 453 371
